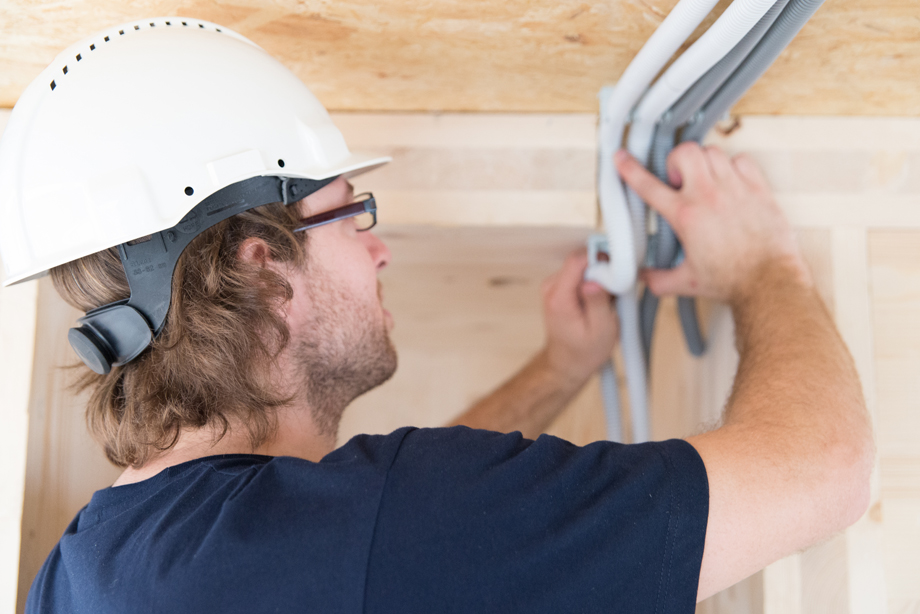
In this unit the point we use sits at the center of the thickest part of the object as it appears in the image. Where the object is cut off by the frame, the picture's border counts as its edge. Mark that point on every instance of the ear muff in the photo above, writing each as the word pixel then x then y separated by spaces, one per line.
pixel 110 336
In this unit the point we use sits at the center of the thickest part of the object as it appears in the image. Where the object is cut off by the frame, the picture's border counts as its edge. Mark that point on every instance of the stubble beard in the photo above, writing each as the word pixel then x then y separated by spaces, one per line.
pixel 346 352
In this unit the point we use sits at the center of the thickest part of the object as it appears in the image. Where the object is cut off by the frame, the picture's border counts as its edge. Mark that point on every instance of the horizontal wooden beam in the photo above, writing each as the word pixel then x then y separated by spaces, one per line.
pixel 470 169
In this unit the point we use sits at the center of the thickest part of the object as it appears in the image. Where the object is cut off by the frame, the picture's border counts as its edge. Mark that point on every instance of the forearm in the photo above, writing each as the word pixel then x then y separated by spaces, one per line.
pixel 528 402
pixel 796 382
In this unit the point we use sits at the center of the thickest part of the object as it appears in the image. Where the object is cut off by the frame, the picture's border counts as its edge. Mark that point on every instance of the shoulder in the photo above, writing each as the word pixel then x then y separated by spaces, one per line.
pixel 467 447
pixel 453 465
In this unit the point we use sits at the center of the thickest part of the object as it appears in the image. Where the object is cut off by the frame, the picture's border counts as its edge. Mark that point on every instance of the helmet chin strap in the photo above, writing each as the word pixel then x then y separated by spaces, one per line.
pixel 115 334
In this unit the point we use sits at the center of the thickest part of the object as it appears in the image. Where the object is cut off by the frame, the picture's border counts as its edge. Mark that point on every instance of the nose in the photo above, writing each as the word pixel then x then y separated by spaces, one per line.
pixel 378 250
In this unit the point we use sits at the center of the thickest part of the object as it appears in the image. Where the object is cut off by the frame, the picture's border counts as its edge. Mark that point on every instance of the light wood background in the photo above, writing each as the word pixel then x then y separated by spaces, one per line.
pixel 477 209
pixel 855 57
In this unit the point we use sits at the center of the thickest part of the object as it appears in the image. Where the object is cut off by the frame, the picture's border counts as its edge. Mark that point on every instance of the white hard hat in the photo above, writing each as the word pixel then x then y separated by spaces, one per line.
pixel 128 130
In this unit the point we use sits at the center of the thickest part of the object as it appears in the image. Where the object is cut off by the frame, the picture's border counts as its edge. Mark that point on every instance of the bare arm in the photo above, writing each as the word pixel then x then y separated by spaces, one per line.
pixel 581 329
pixel 790 464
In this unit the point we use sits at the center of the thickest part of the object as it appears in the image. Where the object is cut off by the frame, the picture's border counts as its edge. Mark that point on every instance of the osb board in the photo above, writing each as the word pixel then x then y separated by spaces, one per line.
pixel 853 58
pixel 17 347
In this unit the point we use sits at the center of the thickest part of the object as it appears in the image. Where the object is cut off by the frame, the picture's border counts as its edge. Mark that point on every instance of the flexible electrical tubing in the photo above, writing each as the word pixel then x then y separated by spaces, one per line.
pixel 728 30
pixel 611 395
pixel 718 40
pixel 663 246
pixel 787 25
pixel 618 275
pixel 634 364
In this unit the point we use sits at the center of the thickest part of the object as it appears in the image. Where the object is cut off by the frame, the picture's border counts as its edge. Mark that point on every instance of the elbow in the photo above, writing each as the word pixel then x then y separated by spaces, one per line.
pixel 853 476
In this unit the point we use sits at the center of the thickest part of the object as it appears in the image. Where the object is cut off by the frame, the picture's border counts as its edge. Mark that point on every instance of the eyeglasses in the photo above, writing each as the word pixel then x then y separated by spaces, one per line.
pixel 363 210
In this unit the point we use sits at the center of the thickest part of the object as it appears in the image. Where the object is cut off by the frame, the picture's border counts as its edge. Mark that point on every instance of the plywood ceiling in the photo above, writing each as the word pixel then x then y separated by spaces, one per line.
pixel 855 57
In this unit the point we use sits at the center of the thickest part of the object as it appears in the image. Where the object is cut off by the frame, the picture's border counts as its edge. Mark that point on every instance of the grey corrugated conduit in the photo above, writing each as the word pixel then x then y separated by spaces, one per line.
pixel 610 392
pixel 663 246
pixel 790 21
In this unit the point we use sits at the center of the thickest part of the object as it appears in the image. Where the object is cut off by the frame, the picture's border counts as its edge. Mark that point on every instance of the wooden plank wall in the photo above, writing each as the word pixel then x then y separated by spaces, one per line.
pixel 17 345
pixel 477 209
pixel 852 58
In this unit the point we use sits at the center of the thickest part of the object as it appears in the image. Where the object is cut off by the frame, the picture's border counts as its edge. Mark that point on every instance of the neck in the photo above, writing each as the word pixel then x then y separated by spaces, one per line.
pixel 296 435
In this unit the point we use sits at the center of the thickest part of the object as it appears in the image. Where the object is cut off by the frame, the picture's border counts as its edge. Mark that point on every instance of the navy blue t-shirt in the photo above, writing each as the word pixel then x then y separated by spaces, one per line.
pixel 421 520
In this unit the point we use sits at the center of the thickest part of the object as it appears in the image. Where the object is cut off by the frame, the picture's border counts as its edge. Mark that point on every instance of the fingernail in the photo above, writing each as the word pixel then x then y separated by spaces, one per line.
pixel 621 155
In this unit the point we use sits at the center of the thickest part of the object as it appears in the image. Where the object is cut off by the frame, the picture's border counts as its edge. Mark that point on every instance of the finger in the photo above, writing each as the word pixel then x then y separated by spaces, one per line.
pixel 667 282
pixel 599 307
pixel 749 170
pixel 564 284
pixel 688 161
pixel 652 190
pixel 674 177
pixel 720 163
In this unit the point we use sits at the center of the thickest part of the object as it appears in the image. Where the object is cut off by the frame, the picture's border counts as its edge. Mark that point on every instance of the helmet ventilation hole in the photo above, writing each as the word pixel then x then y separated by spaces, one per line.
pixel 281 163
pixel 189 191
pixel 66 69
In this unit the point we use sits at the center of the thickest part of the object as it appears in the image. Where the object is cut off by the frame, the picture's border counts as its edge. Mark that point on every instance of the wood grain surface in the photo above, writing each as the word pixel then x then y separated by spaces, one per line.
pixel 855 57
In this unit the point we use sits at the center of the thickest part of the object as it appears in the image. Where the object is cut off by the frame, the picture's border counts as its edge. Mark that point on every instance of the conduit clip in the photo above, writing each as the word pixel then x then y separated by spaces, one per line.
pixel 597 244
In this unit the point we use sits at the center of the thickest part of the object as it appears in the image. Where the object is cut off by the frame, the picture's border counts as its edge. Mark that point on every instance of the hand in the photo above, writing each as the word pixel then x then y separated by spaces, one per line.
pixel 725 216
pixel 581 324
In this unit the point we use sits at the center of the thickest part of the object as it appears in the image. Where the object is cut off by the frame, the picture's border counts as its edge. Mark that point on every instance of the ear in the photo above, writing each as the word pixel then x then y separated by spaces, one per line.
pixel 254 251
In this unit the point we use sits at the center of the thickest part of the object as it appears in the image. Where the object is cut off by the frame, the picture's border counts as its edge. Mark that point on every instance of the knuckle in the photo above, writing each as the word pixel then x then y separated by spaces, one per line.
pixel 745 162
pixel 686 151
pixel 716 154
pixel 743 157
pixel 708 193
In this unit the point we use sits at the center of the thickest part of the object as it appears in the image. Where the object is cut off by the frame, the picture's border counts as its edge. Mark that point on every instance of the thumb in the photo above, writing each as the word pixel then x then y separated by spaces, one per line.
pixel 598 306
pixel 667 282
pixel 560 290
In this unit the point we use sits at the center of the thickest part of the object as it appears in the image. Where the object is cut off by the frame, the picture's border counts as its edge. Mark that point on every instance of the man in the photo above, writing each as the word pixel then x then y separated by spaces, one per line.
pixel 223 409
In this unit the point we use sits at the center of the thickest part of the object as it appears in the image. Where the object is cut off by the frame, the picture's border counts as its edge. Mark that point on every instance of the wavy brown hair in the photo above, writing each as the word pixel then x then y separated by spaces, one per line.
pixel 210 365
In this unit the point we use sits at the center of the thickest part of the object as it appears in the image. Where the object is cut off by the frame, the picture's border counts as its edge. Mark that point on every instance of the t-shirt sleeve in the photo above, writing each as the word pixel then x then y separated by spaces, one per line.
pixel 474 521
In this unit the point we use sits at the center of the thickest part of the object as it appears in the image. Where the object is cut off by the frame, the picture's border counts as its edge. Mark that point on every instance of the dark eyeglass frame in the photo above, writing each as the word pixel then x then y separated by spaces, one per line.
pixel 366 204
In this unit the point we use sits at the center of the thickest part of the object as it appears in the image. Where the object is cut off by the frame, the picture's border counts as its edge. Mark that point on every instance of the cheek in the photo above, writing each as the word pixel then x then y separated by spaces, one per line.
pixel 300 310
pixel 346 260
